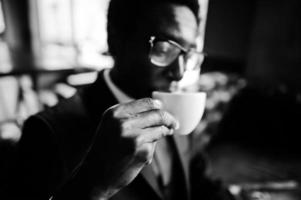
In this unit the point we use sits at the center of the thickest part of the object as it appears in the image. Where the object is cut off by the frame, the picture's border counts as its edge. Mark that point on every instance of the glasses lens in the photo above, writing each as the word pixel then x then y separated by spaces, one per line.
pixel 163 53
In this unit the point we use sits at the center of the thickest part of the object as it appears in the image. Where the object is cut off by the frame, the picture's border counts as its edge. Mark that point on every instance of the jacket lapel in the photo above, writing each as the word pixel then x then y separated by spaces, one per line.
pixel 150 178
pixel 181 152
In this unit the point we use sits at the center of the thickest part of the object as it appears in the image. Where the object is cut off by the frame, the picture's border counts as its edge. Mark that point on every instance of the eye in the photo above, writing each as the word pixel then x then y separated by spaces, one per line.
pixel 162 47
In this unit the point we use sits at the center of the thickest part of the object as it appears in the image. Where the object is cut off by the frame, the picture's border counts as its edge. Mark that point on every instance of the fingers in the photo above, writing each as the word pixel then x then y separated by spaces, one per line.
pixel 138 125
pixel 133 108
pixel 152 118
pixel 142 137
pixel 153 134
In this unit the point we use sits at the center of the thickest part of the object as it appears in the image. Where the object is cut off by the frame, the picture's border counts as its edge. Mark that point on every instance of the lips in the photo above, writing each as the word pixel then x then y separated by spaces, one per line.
pixel 165 88
pixel 164 84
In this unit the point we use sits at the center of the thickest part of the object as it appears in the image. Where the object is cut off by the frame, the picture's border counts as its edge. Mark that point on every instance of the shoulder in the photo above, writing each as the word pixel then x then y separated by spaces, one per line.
pixel 69 114
pixel 65 111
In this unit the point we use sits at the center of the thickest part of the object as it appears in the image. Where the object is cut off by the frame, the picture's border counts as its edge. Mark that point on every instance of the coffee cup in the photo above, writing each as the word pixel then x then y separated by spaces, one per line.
pixel 187 107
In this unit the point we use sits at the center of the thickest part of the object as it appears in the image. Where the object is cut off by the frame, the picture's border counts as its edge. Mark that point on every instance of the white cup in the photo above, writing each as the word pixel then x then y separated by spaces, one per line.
pixel 187 108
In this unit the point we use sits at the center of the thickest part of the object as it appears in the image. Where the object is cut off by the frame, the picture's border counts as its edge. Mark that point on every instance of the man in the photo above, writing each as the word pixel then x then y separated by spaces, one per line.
pixel 111 140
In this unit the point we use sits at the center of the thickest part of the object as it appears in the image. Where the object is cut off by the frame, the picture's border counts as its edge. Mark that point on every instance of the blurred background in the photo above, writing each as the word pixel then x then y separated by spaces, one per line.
pixel 252 75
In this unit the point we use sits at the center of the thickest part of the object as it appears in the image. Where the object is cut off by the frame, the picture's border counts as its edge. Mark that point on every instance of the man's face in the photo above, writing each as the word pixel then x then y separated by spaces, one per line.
pixel 171 22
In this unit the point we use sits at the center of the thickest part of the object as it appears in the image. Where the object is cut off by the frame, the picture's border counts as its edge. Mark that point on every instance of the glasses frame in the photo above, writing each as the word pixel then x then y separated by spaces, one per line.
pixel 183 50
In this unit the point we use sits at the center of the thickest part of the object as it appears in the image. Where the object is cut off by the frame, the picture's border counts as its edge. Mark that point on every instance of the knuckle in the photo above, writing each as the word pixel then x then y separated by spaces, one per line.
pixel 164 130
pixel 163 116
pixel 149 102
pixel 115 112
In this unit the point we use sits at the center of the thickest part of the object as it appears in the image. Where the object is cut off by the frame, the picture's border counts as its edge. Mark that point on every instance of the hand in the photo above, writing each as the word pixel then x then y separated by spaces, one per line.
pixel 125 143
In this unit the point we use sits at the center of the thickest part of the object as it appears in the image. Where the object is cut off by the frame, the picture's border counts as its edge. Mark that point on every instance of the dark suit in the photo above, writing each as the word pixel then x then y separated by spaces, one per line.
pixel 55 151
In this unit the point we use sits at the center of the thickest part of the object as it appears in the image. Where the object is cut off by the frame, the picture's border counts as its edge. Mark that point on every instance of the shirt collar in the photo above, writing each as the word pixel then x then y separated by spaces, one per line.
pixel 117 92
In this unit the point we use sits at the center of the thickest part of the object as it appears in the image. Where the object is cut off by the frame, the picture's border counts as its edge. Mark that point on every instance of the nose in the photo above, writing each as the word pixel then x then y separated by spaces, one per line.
pixel 175 71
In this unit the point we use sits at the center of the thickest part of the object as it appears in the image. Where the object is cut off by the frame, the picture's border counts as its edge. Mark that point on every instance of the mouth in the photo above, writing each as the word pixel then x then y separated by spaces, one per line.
pixel 171 87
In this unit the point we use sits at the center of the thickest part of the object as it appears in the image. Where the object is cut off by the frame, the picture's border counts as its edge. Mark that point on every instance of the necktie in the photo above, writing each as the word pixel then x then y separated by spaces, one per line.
pixel 167 168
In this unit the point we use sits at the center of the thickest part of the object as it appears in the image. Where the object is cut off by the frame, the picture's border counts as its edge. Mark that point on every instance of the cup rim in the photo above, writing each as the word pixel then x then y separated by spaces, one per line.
pixel 179 93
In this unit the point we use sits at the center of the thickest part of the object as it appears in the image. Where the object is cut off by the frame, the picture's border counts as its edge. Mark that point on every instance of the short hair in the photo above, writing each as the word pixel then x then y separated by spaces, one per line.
pixel 123 16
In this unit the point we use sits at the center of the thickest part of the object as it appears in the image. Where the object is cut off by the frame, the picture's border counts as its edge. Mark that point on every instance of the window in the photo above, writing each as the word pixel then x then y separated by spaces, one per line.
pixel 73 32
pixel 190 78
pixel 70 32
pixel 2 25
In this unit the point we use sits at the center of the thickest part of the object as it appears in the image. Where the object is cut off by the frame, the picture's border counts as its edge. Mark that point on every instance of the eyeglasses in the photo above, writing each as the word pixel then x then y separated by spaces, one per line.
pixel 165 52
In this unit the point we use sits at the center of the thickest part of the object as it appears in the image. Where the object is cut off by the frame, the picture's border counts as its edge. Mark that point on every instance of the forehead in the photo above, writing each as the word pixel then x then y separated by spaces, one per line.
pixel 176 22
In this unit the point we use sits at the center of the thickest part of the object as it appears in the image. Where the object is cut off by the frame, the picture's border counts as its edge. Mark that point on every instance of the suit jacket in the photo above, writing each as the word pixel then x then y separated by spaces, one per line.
pixel 55 151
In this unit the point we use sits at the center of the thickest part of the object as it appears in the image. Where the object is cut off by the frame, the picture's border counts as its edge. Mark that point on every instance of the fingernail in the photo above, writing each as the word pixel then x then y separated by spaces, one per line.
pixel 158 103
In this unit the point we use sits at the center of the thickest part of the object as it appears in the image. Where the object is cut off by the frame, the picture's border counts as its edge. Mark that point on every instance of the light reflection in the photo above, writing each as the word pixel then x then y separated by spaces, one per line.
pixel 2 25
pixel 5 61
pixel 79 36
